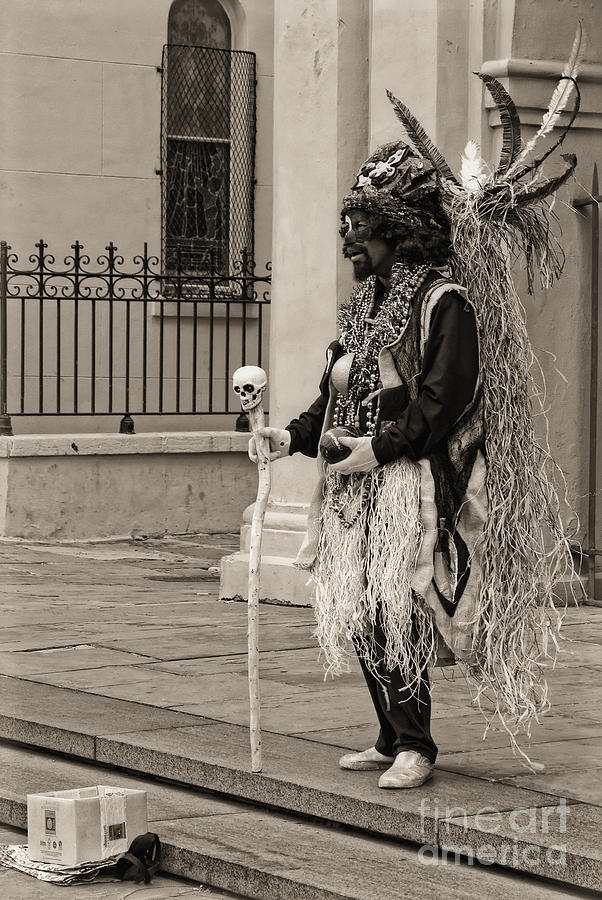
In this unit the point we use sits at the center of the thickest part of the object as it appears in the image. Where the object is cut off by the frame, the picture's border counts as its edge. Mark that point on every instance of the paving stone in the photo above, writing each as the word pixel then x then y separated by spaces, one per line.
pixel 11 835
pixel 213 840
pixel 137 604
pixel 464 732
pixel 560 839
pixel 164 689
pixel 573 781
pixel 64 660
pixel 17 886
pixel 500 762
pixel 349 737
pixel 209 640
pixel 583 632
pixel 294 860
pixel 40 637
pixel 571 676
pixel 299 710
pixel 576 614
pixel 67 720
pixel 191 611
pixel 44 734
pixel 298 667
pixel 580 653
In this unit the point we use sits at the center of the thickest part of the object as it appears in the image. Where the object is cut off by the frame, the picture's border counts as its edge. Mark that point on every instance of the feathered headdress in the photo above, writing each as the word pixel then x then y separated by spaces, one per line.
pixel 496 215
pixel 514 164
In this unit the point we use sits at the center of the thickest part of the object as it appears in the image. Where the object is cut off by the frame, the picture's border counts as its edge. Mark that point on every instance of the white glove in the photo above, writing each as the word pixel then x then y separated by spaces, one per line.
pixel 361 458
pixel 280 442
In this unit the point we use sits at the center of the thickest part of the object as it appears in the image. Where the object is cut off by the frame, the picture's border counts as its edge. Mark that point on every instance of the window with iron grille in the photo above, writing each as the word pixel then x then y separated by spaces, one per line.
pixel 208 158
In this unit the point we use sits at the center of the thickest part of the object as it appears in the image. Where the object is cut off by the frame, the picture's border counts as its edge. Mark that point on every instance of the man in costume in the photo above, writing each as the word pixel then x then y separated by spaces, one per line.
pixel 397 236
pixel 430 376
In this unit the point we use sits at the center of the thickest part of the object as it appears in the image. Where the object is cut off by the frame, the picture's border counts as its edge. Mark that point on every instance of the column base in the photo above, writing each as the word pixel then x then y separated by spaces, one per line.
pixel 280 580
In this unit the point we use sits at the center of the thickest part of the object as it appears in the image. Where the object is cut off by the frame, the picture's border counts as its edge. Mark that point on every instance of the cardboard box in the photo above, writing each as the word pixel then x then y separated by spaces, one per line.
pixel 84 825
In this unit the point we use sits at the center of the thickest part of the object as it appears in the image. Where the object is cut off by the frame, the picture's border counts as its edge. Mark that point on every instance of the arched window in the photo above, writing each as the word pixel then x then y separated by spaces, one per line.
pixel 208 124
pixel 199 24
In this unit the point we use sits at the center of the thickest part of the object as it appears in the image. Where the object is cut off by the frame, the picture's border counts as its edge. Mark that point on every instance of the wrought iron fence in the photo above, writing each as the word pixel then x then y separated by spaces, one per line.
pixel 107 338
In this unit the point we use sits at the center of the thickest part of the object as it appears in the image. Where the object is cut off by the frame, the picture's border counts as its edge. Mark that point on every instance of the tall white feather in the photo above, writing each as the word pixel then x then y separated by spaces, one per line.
pixel 472 170
pixel 559 99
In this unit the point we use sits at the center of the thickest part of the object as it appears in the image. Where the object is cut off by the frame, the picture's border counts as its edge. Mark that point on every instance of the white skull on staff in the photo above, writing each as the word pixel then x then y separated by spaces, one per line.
pixel 249 382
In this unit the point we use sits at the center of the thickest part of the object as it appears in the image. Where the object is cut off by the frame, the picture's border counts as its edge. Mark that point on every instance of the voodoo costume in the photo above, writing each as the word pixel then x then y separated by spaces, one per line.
pixel 452 547
pixel 370 528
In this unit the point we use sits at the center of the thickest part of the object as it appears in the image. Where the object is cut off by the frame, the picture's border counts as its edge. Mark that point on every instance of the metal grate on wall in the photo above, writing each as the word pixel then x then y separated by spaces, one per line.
pixel 208 126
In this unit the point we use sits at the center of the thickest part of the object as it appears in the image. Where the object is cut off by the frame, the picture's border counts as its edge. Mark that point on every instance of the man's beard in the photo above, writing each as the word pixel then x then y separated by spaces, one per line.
pixel 362 269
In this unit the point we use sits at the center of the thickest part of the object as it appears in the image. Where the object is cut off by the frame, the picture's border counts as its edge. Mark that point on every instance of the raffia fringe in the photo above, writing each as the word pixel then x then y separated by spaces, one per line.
pixel 526 552
pixel 362 575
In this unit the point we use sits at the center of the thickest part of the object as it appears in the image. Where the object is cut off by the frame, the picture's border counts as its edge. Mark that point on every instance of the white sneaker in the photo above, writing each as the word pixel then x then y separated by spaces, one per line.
pixel 365 760
pixel 410 769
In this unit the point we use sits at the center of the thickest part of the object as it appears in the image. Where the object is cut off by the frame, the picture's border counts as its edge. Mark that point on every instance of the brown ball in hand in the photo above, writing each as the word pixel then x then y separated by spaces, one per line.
pixel 331 448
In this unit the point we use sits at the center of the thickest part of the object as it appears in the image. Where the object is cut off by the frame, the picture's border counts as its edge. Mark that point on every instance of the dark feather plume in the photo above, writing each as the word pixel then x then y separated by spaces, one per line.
pixel 511 139
pixel 550 184
pixel 420 138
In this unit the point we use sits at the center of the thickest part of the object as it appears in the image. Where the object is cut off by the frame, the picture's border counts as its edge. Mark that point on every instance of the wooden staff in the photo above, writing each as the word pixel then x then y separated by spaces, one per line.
pixel 250 383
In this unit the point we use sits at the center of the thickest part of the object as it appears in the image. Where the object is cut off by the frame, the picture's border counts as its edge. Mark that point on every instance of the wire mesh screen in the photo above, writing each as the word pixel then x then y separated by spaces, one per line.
pixel 208 158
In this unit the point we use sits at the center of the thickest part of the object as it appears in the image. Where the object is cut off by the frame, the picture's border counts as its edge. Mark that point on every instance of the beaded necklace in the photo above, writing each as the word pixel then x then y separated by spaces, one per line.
pixel 365 337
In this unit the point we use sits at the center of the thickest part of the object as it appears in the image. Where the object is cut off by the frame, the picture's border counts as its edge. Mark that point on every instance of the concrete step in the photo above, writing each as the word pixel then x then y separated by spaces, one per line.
pixel 15 885
pixel 264 854
pixel 280 580
pixel 529 832
pixel 274 541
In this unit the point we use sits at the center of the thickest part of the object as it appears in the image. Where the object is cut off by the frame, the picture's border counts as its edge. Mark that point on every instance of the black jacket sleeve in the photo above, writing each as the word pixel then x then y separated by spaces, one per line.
pixel 446 386
pixel 306 429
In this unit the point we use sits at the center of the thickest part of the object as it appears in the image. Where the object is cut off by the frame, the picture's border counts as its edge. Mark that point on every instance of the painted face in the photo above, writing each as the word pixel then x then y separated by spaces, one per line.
pixel 369 255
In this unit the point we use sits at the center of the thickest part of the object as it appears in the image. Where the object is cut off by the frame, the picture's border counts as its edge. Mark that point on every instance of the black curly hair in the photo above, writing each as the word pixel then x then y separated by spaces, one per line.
pixel 427 240
pixel 425 236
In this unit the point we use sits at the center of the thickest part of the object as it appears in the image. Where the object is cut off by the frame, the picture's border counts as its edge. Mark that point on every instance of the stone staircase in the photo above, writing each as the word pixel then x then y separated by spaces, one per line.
pixel 302 828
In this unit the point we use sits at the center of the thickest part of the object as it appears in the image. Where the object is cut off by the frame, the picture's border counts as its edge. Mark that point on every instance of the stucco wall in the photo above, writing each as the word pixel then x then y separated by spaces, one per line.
pixel 533 42
pixel 79 160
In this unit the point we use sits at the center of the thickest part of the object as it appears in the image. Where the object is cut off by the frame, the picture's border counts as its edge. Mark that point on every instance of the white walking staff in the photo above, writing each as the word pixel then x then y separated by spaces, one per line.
pixel 250 382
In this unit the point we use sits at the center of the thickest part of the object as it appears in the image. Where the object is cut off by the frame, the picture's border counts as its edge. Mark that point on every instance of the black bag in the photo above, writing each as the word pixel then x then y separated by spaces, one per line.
pixel 142 859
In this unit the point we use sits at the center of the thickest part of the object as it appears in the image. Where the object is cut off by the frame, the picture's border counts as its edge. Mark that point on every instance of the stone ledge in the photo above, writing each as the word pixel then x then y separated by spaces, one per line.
pixel 539 68
pixel 530 83
pixel 28 445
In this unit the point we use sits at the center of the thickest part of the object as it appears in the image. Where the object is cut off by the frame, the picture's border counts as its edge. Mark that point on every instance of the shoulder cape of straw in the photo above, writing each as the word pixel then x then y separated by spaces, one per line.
pixel 496 216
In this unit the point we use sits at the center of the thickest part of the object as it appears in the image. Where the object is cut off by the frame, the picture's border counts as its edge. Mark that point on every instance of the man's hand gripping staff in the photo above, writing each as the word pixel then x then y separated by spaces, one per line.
pixel 360 459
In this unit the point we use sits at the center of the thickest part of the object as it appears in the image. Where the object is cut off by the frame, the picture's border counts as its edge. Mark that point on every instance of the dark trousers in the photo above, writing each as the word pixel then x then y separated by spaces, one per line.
pixel 405 720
